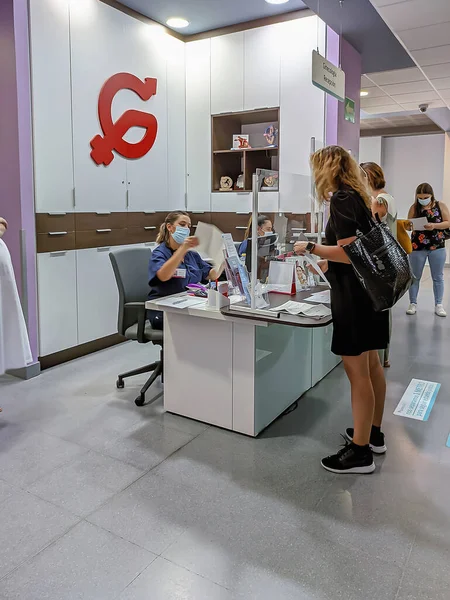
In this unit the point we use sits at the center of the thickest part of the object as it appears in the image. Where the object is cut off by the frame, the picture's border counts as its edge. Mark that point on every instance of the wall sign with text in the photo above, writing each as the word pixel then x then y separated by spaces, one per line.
pixel 328 77
pixel 113 132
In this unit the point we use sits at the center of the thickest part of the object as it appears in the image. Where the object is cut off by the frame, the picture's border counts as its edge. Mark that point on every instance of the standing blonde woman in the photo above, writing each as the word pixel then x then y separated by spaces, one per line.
pixel 383 205
pixel 358 331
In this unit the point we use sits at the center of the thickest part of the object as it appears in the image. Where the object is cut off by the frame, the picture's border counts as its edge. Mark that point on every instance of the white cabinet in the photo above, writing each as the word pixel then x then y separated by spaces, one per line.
pixel 268 202
pixel 198 124
pixel 52 116
pixel 301 112
pixel 234 202
pixel 176 125
pixel 97 295
pixel 262 48
pixel 57 301
pixel 227 73
pixel 98 51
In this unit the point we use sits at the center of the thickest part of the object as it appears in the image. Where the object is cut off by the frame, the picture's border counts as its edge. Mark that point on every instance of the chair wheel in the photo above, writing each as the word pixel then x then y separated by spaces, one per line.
pixel 120 384
pixel 140 400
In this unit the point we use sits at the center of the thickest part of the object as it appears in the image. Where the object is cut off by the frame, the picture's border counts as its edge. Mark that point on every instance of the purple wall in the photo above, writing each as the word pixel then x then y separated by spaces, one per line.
pixel 348 133
pixel 332 108
pixel 338 130
pixel 16 162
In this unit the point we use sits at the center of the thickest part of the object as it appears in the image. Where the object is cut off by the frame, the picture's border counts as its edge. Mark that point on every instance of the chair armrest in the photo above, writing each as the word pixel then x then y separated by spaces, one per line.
pixel 139 308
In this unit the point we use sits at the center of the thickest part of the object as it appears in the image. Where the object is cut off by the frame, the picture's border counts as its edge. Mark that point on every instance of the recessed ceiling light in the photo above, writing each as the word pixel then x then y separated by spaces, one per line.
pixel 277 1
pixel 177 22
pixel 363 93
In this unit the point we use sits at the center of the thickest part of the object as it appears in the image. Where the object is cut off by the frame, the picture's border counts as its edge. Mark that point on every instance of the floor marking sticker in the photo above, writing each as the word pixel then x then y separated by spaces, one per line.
pixel 418 400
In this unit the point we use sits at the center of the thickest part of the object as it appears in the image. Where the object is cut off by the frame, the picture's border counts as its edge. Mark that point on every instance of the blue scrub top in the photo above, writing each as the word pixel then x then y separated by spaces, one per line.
pixel 243 248
pixel 197 271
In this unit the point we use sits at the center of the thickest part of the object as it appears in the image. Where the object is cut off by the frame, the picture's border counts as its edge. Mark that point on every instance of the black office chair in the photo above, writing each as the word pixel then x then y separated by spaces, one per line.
pixel 130 267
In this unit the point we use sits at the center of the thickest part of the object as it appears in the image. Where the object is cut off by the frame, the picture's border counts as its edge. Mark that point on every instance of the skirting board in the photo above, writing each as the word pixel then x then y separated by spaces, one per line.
pixel 58 358
pixel 26 373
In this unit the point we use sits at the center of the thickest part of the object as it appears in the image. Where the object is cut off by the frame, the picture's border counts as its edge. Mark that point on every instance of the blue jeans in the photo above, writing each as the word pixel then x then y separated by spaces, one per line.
pixel 436 260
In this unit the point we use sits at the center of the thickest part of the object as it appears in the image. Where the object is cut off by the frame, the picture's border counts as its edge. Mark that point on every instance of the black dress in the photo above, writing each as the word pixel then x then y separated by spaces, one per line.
pixel 357 327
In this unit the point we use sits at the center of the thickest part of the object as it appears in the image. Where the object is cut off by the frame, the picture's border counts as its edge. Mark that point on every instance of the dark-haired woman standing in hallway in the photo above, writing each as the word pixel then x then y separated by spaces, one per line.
pixel 428 244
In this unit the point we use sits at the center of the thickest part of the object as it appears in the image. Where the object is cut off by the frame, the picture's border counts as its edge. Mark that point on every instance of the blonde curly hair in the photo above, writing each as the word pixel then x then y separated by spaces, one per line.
pixel 334 168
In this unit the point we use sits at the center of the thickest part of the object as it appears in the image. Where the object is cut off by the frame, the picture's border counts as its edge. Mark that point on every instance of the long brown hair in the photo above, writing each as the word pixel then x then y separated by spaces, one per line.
pixel 335 168
pixel 423 188
pixel 375 175
pixel 261 220
pixel 172 218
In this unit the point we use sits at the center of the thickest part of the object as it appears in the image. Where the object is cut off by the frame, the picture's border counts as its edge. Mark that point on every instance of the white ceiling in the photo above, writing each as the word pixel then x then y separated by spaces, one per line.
pixel 424 29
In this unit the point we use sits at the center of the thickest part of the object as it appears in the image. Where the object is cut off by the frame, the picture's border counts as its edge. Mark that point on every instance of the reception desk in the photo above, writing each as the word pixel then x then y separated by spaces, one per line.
pixel 241 371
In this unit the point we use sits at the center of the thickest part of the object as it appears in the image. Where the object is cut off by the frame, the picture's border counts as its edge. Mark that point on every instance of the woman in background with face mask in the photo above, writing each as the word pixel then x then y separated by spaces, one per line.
pixel 264 227
pixel 174 264
pixel 430 244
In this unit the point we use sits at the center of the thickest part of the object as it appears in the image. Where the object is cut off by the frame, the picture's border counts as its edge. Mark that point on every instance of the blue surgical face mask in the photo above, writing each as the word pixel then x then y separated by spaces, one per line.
pixel 424 201
pixel 180 234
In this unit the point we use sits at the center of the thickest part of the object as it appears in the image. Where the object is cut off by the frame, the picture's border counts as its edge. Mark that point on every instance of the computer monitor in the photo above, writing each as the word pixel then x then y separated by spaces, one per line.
pixel 267 248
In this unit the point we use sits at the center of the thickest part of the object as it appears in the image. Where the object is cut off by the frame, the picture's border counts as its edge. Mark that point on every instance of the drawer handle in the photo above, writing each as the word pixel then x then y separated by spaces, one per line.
pixel 104 230
pixel 62 253
pixel 57 214
pixel 298 228
pixel 148 228
pixel 57 233
pixel 104 249
pixel 103 212
pixel 149 212
pixel 243 213
pixel 240 227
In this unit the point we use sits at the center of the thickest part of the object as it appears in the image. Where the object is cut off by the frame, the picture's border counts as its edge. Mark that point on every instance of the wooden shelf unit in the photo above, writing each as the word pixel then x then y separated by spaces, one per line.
pixel 226 161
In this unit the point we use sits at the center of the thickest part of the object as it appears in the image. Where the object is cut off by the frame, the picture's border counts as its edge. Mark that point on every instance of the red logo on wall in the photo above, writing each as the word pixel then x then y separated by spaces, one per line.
pixel 112 139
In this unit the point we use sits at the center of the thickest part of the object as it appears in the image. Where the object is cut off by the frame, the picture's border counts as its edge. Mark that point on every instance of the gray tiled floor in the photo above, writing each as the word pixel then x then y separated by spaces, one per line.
pixel 101 500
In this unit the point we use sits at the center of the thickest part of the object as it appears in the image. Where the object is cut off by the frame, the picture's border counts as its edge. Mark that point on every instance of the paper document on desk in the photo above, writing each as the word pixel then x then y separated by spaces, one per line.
pixel 182 302
pixel 306 310
pixel 211 243
pixel 419 224
pixel 320 297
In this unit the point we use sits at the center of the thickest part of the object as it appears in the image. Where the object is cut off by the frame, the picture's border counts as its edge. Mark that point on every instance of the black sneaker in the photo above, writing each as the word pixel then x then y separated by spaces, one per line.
pixel 377 443
pixel 350 459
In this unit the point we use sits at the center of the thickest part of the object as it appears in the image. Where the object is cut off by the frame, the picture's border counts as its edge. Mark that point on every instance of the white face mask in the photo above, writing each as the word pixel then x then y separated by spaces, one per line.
pixel 424 201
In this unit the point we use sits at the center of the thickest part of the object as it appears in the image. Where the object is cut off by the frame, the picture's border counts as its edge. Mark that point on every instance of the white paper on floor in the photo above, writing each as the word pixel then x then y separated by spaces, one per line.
pixel 418 400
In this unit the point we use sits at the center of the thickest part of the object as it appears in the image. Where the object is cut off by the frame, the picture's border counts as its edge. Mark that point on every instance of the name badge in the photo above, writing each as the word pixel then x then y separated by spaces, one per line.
pixel 180 274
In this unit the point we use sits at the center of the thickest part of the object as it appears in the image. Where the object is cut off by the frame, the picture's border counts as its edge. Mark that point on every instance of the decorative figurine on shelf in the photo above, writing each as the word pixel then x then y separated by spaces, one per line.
pixel 270 182
pixel 240 182
pixel 271 135
pixel 226 184
pixel 241 142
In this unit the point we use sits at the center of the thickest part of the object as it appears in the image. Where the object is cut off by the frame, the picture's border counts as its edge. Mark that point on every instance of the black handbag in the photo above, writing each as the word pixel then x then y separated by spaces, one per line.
pixel 381 265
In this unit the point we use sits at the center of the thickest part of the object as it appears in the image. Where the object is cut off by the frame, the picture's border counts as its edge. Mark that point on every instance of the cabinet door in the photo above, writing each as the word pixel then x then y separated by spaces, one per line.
pixel 198 124
pixel 57 301
pixel 262 67
pixel 235 202
pixel 301 112
pixel 147 177
pixel 52 118
pixel 97 295
pixel 98 51
pixel 227 73
pixel 176 124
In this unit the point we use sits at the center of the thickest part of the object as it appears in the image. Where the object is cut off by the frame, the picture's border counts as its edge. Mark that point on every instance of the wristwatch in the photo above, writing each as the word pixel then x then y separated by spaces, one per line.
pixel 310 247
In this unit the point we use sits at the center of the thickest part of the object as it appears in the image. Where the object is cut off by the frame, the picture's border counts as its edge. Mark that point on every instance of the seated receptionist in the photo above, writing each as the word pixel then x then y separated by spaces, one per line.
pixel 264 227
pixel 174 264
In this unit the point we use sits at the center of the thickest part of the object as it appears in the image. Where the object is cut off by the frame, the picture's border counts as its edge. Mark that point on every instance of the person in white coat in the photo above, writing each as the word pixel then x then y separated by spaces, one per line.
pixel 15 352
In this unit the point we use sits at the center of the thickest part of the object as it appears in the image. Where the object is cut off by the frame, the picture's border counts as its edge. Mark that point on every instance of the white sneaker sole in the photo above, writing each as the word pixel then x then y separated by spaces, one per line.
pixel 356 470
pixel 375 449
pixel 441 316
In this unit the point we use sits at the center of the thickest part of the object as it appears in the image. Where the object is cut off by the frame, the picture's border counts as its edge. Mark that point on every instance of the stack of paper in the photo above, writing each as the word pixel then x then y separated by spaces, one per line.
pixel 301 308
pixel 211 243
pixel 320 297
